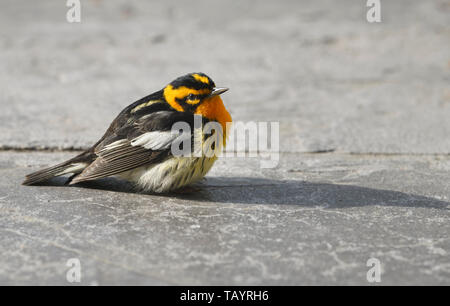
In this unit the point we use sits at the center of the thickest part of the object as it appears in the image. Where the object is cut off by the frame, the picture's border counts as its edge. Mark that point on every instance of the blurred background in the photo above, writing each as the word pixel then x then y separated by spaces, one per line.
pixel 334 81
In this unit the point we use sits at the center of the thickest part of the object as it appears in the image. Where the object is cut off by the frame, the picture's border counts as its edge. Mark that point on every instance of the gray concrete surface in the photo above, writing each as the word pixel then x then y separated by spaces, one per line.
pixel 375 96
pixel 314 221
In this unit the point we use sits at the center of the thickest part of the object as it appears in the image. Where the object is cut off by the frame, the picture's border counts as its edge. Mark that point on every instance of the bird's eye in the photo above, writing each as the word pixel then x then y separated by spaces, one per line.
pixel 191 97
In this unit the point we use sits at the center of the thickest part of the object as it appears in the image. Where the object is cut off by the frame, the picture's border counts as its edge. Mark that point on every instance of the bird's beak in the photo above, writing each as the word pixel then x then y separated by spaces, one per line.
pixel 217 91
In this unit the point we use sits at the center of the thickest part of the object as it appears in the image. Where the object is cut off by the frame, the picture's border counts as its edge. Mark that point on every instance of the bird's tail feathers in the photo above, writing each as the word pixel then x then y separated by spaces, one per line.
pixel 74 165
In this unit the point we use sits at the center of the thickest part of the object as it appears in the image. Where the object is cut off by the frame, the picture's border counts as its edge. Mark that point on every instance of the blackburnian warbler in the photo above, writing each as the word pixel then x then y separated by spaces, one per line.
pixel 138 144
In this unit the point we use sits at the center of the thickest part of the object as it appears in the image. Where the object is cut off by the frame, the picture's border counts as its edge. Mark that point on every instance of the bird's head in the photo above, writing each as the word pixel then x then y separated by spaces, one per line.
pixel 196 93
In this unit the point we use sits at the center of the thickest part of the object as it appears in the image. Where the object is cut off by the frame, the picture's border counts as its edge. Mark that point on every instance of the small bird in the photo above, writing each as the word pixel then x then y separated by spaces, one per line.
pixel 137 144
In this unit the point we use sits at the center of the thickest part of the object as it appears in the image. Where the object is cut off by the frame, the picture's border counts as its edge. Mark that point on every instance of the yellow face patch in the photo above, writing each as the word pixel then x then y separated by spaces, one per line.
pixel 200 78
pixel 172 94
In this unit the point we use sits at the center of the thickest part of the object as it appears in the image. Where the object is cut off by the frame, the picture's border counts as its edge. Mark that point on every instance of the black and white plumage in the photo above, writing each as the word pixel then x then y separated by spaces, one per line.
pixel 137 144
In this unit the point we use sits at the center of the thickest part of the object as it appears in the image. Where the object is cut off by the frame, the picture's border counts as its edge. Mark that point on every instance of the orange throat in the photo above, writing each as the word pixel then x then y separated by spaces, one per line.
pixel 213 109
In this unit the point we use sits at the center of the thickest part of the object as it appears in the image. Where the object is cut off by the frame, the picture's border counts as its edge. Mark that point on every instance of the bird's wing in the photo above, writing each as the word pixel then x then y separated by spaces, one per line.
pixel 143 141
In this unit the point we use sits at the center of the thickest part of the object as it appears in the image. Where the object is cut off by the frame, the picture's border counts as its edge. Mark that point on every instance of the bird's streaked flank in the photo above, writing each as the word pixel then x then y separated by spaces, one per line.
pixel 137 144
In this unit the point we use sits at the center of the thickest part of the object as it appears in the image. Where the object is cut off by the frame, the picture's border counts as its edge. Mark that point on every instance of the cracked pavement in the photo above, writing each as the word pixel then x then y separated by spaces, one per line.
pixel 373 97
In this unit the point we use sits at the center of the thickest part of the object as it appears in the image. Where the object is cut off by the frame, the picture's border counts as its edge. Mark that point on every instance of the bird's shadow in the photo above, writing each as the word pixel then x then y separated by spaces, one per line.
pixel 248 190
